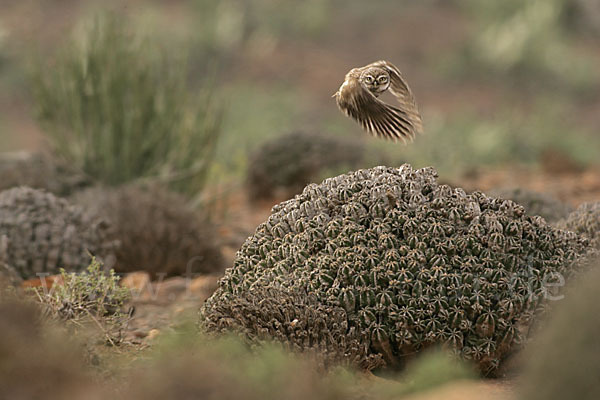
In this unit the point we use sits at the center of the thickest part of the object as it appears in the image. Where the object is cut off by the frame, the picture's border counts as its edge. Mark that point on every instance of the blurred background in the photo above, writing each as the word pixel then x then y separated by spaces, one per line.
pixel 216 97
pixel 182 122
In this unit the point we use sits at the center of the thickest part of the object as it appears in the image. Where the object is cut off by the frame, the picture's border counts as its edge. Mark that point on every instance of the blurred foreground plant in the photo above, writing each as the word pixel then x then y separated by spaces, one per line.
pixel 118 107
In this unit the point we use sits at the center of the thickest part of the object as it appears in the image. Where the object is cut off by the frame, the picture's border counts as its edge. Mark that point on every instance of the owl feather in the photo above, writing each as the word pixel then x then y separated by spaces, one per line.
pixel 357 98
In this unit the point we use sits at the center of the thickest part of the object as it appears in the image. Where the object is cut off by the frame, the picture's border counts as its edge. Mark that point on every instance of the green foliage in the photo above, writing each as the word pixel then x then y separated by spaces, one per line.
pixel 528 37
pixel 93 298
pixel 227 23
pixel 564 360
pixel 431 369
pixel 435 368
pixel 118 107
pixel 255 114
pixel 410 262
pixel 191 365
pixel 463 141
pixel 182 364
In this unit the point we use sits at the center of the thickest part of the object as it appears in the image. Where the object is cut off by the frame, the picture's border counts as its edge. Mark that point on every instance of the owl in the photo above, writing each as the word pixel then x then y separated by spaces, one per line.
pixel 358 98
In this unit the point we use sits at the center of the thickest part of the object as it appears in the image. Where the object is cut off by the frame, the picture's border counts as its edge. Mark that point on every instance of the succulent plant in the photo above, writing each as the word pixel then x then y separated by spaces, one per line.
pixel 564 360
pixel 38 171
pixel 585 220
pixel 297 320
pixel 535 203
pixel 291 161
pixel 158 231
pixel 41 233
pixel 410 261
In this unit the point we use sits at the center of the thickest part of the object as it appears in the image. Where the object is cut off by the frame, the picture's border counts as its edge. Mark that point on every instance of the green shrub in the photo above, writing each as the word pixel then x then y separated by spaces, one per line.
pixel 118 107
pixel 158 232
pixel 564 361
pixel 412 263
pixel 431 369
pixel 464 141
pixel 92 297
pixel 227 369
pixel 187 365
pixel 528 39
pixel 41 233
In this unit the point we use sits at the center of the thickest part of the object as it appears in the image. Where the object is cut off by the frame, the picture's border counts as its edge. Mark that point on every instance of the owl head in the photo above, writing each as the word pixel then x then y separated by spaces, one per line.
pixel 376 79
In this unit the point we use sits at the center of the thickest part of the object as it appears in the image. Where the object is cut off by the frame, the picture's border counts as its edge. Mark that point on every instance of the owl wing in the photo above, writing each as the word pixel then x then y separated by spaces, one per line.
pixel 403 94
pixel 375 116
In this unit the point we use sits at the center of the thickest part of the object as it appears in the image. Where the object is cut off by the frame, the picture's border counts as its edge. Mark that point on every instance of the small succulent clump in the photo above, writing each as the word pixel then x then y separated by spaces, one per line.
pixel 93 295
pixel 156 228
pixel 564 361
pixel 39 172
pixel 41 233
pixel 585 220
pixel 411 262
pixel 535 203
pixel 292 161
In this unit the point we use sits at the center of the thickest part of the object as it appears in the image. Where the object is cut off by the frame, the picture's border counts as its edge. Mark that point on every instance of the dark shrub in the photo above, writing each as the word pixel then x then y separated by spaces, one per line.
pixel 292 161
pixel 157 230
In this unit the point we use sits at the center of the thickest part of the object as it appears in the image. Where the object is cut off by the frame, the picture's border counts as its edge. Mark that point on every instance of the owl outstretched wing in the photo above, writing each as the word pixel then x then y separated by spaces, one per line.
pixel 375 116
pixel 403 94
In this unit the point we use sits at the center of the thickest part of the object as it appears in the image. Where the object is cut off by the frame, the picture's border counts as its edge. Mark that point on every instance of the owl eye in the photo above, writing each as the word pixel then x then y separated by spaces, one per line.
pixel 369 79
pixel 382 79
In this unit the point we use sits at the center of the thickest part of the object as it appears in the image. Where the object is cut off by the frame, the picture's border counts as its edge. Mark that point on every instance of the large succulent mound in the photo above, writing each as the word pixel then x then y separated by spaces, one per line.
pixel 535 203
pixel 564 361
pixel 291 161
pixel 41 233
pixel 158 231
pixel 585 220
pixel 412 263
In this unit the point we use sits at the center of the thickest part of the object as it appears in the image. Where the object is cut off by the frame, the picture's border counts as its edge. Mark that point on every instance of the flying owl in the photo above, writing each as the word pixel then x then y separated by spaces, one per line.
pixel 358 98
